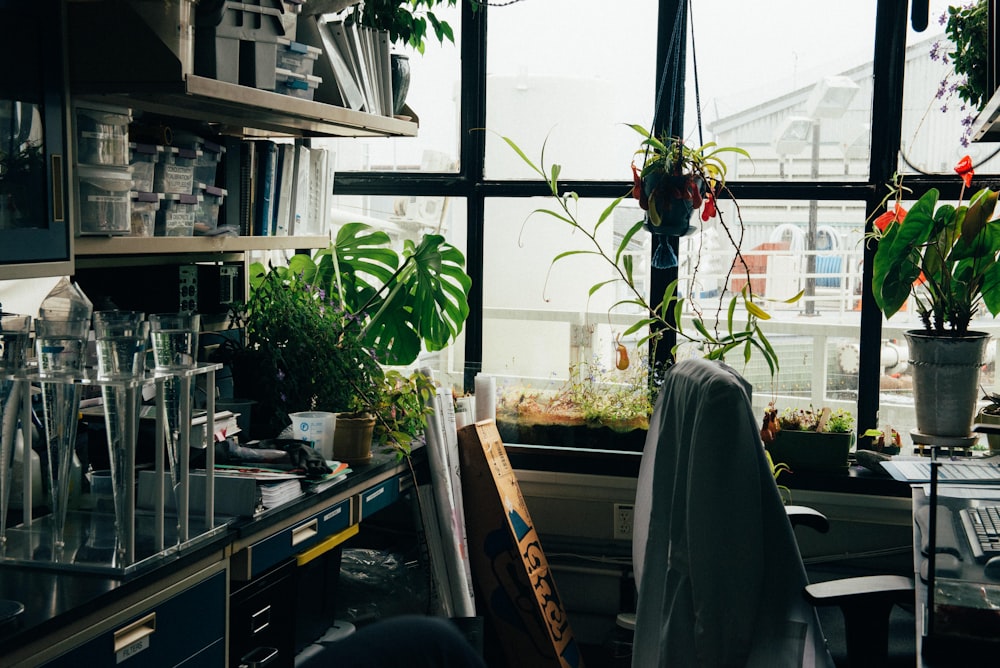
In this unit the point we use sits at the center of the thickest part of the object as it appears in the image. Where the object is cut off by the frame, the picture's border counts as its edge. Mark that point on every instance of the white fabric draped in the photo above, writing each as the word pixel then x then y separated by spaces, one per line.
pixel 719 574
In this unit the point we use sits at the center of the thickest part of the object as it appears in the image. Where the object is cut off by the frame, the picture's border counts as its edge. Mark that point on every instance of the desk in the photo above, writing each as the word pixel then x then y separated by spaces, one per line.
pixel 966 627
pixel 67 613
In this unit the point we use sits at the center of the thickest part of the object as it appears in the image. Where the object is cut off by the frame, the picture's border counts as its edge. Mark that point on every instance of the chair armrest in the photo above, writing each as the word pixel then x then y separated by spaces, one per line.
pixel 892 589
pixel 806 516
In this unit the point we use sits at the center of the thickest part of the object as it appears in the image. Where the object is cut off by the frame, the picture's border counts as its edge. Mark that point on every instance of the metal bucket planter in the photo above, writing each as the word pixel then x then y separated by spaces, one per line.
pixel 945 381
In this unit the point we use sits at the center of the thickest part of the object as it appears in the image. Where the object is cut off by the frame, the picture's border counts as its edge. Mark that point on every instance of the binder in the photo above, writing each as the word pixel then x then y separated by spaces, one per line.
pixel 267 165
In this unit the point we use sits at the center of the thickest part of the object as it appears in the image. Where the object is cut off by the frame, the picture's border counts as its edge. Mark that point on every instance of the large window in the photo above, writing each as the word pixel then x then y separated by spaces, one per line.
pixel 828 104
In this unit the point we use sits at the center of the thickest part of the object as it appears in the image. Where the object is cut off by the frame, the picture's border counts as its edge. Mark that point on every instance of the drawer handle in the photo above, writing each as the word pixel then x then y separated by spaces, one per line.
pixel 374 495
pixel 259 658
pixel 260 620
pixel 305 532
pixel 134 632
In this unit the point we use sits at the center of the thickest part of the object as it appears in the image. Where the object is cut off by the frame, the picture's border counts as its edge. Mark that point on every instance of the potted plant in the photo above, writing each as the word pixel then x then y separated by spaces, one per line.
pixel 990 414
pixel 673 181
pixel 806 439
pixel 595 407
pixel 945 258
pixel 716 337
pixel 318 330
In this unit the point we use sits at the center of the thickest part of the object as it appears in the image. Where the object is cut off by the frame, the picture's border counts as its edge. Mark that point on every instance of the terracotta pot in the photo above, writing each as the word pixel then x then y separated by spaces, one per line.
pixel 352 437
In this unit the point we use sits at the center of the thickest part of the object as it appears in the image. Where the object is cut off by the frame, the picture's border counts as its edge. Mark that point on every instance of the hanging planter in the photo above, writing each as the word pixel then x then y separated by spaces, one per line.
pixel 674 181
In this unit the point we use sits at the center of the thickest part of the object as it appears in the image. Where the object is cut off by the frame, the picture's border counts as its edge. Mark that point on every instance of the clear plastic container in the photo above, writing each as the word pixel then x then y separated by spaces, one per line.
pixel 104 199
pixel 143 159
pixel 297 85
pixel 206 166
pixel 174 173
pixel 176 215
pixel 102 135
pixel 206 219
pixel 296 57
pixel 144 208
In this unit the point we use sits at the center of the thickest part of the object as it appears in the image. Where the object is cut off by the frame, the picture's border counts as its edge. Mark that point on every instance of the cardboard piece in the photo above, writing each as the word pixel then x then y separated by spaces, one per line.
pixel 514 586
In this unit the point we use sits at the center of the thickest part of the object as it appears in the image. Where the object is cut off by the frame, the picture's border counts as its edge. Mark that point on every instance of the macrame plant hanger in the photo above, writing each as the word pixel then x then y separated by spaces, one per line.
pixel 664 256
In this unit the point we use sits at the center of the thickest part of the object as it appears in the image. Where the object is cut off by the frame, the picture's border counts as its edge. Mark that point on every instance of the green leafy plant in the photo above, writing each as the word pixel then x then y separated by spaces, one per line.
pixel 824 420
pixel 717 337
pixel 620 399
pixel 403 301
pixel 944 256
pixel 966 51
pixel 406 21
pixel 671 171
pixel 319 329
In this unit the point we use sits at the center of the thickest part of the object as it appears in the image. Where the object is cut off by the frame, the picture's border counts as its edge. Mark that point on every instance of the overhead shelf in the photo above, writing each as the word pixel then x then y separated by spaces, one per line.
pixel 244 111
pixel 104 246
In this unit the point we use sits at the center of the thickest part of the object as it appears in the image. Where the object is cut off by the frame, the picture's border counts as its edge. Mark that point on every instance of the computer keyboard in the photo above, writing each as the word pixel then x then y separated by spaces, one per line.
pixel 982 527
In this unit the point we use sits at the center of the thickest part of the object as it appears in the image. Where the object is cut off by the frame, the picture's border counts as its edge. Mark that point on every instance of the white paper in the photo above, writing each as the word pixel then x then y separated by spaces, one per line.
pixel 486 397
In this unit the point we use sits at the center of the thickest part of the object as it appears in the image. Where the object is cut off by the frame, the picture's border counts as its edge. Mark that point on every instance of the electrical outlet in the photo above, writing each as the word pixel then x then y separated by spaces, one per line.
pixel 624 517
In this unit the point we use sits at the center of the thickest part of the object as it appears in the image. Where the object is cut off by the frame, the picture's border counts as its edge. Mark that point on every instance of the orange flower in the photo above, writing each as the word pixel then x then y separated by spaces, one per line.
pixel 964 169
pixel 896 215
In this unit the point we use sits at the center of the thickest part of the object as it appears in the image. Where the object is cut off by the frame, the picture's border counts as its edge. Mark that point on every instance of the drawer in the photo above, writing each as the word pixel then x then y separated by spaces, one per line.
pixel 272 550
pixel 262 615
pixel 188 628
pixel 378 497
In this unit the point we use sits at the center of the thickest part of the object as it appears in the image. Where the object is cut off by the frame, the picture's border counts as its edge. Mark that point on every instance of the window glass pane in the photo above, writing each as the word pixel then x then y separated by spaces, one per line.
pixel 434 96
pixel 540 329
pixel 578 90
pixel 936 121
pixel 539 323
pixel 799 101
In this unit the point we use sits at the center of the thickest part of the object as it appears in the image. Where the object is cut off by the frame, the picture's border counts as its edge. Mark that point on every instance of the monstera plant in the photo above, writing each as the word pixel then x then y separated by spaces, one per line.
pixel 319 329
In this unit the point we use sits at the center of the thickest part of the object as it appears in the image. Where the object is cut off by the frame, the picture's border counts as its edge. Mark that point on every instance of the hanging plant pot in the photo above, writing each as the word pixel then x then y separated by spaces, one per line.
pixel 945 381
pixel 671 201
pixel 352 437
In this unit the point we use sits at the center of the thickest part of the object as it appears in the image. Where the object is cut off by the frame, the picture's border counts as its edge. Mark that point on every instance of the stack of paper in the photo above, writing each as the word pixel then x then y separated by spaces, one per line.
pixel 356 58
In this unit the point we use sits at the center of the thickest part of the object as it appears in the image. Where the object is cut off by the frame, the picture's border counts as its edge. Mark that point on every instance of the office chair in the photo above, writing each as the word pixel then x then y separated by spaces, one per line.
pixel 720 578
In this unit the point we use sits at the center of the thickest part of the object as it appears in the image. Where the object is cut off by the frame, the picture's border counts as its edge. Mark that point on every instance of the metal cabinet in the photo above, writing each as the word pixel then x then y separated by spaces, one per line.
pixel 183 624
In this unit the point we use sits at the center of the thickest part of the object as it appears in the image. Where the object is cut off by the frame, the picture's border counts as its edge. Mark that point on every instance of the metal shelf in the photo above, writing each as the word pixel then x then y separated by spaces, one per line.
pixel 104 246
pixel 244 111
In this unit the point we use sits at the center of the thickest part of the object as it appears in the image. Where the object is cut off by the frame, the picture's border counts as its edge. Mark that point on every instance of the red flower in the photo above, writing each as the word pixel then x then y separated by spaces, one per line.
pixel 964 169
pixel 896 215
pixel 637 191
pixel 709 209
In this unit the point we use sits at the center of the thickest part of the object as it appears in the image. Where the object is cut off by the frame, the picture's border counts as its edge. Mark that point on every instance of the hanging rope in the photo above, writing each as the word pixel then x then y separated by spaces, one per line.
pixel 664 256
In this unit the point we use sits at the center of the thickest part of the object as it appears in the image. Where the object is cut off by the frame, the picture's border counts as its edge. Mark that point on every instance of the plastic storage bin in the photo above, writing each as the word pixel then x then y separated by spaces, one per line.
pixel 296 57
pixel 174 173
pixel 206 218
pixel 237 41
pixel 102 135
pixel 206 166
pixel 296 85
pixel 104 199
pixel 176 215
pixel 143 159
pixel 144 208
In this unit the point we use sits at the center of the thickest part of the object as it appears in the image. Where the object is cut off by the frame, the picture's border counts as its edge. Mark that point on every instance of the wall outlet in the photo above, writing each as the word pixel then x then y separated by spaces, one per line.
pixel 624 516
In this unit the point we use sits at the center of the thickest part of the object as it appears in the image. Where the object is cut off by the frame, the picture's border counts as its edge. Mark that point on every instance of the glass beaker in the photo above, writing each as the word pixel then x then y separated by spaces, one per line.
pixel 15 331
pixel 122 338
pixel 175 350
pixel 61 347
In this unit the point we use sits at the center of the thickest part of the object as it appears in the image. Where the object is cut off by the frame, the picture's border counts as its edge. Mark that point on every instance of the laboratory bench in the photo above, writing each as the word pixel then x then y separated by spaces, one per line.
pixel 214 602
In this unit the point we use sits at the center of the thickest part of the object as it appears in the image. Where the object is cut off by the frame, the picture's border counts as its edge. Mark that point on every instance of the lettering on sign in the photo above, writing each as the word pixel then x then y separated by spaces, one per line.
pixel 131 650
